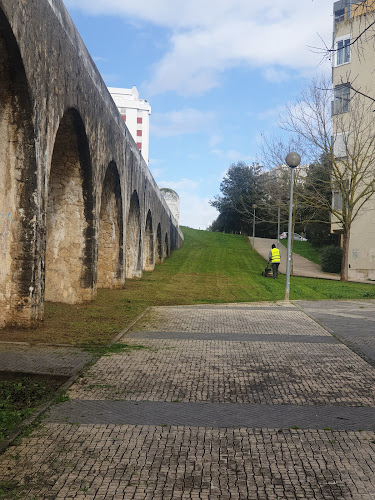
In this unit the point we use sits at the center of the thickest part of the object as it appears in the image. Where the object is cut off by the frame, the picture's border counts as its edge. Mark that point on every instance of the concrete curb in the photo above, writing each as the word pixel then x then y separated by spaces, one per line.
pixel 125 331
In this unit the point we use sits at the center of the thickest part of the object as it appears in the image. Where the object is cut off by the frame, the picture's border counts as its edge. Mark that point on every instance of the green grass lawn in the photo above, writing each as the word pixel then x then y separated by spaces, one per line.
pixel 209 268
pixel 304 249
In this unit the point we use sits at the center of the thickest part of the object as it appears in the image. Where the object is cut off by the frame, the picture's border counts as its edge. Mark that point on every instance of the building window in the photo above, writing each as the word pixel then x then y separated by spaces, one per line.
pixel 339 15
pixel 341 99
pixel 139 145
pixel 339 196
pixel 139 133
pixel 337 201
pixel 340 144
pixel 124 117
pixel 139 120
pixel 343 51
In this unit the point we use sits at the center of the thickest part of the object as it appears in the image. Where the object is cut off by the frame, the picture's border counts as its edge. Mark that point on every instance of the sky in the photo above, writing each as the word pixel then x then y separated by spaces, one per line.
pixel 217 74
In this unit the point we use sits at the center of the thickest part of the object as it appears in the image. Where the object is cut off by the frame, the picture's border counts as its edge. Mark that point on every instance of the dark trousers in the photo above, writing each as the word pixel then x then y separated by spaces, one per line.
pixel 275 269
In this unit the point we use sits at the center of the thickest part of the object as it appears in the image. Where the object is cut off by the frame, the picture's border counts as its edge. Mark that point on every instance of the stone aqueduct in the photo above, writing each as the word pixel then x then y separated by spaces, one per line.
pixel 79 208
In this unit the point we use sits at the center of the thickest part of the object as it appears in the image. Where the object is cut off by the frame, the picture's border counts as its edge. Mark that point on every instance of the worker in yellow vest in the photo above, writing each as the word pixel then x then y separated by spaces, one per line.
pixel 274 258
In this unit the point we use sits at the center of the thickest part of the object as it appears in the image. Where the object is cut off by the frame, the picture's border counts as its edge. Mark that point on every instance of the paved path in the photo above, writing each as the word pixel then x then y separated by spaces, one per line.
pixel 247 401
pixel 301 266
pixel 351 321
pixel 42 359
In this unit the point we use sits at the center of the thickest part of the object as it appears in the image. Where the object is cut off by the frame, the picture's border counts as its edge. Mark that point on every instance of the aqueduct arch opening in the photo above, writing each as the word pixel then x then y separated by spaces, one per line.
pixel 172 236
pixel 18 203
pixel 69 225
pixel 134 239
pixel 159 245
pixel 111 232
pixel 166 246
pixel 149 251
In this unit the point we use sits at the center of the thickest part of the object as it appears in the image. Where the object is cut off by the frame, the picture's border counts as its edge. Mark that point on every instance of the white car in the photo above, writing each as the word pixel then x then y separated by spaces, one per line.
pixel 297 237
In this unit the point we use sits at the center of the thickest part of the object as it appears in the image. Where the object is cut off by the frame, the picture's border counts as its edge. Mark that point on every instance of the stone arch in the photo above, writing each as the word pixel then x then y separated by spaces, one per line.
pixel 111 232
pixel 149 251
pixel 134 239
pixel 69 221
pixel 20 295
pixel 172 235
pixel 166 246
pixel 159 245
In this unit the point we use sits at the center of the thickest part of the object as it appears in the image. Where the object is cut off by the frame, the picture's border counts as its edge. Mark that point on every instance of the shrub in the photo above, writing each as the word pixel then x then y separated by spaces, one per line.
pixel 331 259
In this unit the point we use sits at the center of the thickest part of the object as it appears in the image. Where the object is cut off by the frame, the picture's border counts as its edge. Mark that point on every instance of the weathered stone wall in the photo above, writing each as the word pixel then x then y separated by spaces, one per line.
pixel 78 205
pixel 18 182
pixel 149 245
pixel 134 239
pixel 159 242
pixel 110 245
pixel 66 221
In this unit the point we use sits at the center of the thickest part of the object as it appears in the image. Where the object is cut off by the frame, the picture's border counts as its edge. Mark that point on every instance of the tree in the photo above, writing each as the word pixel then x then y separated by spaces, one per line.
pixel 316 219
pixel 344 148
pixel 276 189
pixel 277 185
pixel 240 189
pixel 228 221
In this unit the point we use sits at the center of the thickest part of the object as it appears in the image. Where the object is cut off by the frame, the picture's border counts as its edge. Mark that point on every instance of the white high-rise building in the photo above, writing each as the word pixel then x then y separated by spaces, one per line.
pixel 136 114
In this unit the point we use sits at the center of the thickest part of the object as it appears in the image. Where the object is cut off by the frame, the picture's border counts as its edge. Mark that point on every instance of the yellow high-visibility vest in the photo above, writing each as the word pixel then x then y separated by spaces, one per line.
pixel 275 255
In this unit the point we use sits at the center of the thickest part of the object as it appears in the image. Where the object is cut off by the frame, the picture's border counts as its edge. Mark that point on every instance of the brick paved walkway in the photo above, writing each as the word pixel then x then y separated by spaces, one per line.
pixel 221 402
pixel 353 322
pixel 42 359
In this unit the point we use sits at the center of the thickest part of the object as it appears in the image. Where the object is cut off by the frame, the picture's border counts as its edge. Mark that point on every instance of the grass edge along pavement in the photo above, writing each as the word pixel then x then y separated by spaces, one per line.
pixel 14 431
pixel 20 415
pixel 304 249
pixel 32 416
pixel 209 268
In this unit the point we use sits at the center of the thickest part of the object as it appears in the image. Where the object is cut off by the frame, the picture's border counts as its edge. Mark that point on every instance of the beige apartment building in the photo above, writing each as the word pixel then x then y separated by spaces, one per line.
pixel 353 76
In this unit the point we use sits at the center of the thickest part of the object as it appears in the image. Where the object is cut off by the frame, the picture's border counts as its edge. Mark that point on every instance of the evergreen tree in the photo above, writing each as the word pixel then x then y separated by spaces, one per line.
pixel 240 188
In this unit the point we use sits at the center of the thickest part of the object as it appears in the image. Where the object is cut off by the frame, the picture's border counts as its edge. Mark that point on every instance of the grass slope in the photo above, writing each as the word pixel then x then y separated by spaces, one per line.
pixel 305 249
pixel 209 268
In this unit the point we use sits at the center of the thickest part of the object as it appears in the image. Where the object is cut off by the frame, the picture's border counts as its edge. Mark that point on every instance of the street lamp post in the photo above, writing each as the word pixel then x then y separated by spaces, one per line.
pixel 254 207
pixel 292 160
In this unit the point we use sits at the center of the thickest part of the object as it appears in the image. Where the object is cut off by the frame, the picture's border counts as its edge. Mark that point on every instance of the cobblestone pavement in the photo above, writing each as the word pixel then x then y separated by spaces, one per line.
pixel 353 322
pixel 41 359
pixel 227 402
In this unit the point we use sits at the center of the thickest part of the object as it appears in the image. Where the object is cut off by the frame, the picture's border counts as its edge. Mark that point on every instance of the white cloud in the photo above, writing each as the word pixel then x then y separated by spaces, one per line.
pixel 215 139
pixel 276 75
pixel 99 59
pixel 272 114
pixel 155 170
pixel 110 78
pixel 195 210
pixel 186 121
pixel 181 185
pixel 207 38
pixel 232 155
